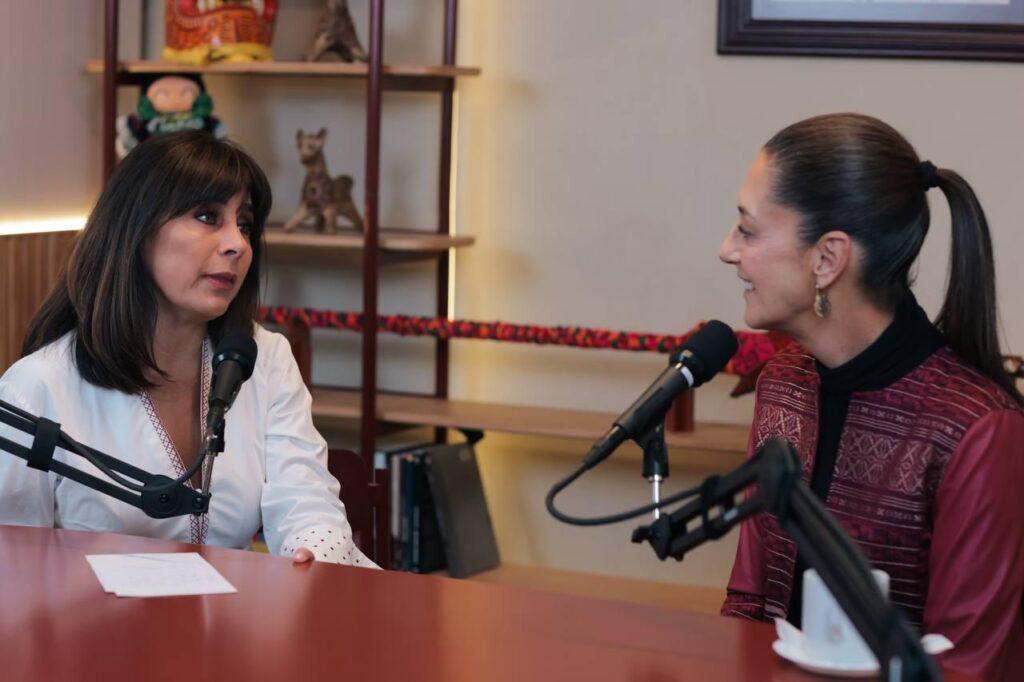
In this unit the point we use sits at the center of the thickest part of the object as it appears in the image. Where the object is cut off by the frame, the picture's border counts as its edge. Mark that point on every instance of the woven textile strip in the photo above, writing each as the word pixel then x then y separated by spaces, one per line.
pixel 755 348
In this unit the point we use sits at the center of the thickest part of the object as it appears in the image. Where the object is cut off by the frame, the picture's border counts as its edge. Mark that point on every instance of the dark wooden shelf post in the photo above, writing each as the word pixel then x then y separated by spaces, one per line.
pixel 680 415
pixel 300 339
pixel 444 195
pixel 110 21
pixel 368 416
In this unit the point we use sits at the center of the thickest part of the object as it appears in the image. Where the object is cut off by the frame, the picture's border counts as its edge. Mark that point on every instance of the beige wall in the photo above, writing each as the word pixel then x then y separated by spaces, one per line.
pixel 50 153
pixel 50 113
pixel 599 157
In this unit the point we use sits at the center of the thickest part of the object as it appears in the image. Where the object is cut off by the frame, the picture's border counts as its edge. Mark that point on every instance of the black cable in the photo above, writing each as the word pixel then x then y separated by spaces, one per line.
pixel 80 449
pixel 614 518
pixel 68 443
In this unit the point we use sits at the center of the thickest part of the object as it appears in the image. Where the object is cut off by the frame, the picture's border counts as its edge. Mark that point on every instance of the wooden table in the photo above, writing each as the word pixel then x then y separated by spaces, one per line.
pixel 324 622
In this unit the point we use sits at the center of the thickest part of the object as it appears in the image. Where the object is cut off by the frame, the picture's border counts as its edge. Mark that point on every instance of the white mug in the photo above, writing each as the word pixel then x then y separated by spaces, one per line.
pixel 830 636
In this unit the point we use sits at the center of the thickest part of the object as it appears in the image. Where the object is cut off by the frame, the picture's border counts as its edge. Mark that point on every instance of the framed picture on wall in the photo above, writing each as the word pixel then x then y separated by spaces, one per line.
pixel 934 29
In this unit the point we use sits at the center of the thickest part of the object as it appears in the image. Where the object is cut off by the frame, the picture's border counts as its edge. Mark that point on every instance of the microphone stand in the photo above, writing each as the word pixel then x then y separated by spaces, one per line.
pixel 214 445
pixel 655 468
pixel 158 496
pixel 781 492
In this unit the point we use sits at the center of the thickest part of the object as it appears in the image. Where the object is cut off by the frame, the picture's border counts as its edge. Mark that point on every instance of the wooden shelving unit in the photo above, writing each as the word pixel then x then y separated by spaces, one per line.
pixel 375 246
pixel 714 446
pixel 717 446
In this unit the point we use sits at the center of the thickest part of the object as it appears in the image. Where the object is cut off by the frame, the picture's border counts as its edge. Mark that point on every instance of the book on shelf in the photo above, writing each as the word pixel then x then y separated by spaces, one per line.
pixel 439 516
pixel 462 514
pixel 416 539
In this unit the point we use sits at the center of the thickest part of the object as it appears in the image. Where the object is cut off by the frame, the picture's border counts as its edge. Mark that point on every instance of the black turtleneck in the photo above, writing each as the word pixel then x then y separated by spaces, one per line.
pixel 904 345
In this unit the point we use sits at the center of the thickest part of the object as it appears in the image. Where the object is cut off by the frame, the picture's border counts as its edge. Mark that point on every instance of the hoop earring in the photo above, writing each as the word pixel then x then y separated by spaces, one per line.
pixel 822 306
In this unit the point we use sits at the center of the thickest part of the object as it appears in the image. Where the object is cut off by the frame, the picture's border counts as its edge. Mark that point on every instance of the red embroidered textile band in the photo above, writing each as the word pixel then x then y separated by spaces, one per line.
pixel 755 347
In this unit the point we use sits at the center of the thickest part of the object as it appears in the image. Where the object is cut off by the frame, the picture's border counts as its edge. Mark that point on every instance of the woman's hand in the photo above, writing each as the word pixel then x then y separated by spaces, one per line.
pixel 302 556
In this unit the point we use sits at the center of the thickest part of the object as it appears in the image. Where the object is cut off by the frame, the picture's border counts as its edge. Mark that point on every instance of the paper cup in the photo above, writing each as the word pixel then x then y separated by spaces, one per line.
pixel 830 636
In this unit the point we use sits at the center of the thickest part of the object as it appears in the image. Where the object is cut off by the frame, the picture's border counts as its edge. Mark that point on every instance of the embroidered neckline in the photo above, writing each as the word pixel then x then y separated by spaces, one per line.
pixel 199 525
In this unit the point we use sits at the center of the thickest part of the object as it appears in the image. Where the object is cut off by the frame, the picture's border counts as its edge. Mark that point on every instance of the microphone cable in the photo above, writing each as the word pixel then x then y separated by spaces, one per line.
pixel 549 502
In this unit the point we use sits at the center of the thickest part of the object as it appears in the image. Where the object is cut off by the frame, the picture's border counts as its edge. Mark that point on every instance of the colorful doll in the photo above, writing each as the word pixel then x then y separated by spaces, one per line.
pixel 168 104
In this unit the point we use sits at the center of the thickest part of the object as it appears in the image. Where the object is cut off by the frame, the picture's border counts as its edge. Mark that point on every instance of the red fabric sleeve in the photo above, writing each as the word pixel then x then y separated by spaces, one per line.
pixel 977 557
pixel 745 591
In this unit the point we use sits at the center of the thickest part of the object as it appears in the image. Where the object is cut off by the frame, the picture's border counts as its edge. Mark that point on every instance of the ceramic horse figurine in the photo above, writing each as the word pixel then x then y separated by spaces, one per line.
pixel 323 197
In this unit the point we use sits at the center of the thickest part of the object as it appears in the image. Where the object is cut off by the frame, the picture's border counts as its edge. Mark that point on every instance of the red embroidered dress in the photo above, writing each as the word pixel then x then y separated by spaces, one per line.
pixel 927 474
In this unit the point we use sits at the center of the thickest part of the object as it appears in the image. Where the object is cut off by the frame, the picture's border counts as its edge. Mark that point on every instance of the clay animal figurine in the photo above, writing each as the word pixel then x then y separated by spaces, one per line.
pixel 337 34
pixel 323 197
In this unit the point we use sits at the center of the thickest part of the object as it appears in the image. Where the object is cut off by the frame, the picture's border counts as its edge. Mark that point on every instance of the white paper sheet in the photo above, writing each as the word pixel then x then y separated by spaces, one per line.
pixel 157 575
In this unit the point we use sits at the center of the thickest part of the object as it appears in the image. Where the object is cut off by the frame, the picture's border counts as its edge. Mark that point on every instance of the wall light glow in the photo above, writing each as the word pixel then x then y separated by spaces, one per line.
pixel 40 225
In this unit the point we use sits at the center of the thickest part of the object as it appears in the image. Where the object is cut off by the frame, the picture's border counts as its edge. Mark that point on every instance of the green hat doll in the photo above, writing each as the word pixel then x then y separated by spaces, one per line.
pixel 168 103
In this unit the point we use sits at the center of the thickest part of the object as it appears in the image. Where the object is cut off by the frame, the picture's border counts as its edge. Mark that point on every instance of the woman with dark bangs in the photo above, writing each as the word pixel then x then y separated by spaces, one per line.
pixel 120 356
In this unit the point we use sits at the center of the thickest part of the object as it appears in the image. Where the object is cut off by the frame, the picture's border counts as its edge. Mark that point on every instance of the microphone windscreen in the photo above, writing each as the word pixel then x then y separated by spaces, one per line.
pixel 712 346
pixel 239 347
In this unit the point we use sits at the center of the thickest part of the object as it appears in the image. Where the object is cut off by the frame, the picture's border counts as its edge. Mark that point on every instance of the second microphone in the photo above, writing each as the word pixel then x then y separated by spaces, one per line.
pixel 692 364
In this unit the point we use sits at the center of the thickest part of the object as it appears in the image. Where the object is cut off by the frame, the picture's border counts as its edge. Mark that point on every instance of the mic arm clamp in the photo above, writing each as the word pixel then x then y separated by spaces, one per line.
pixel 781 491
pixel 157 495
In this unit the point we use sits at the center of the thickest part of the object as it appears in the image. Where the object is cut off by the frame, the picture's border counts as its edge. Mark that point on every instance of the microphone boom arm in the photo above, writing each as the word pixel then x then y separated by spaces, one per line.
pixel 782 492
pixel 159 496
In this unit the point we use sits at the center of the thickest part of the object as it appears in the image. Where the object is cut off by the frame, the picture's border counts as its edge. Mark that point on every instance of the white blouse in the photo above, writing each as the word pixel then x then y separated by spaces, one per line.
pixel 272 473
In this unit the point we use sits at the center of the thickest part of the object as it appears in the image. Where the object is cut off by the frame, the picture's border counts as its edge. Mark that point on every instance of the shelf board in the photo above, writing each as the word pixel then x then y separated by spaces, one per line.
pixel 336 69
pixel 720 445
pixel 393 241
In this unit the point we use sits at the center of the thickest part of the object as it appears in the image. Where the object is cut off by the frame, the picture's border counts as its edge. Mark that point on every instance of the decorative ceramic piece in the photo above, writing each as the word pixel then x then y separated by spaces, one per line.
pixel 201 31
pixel 337 34
pixel 323 197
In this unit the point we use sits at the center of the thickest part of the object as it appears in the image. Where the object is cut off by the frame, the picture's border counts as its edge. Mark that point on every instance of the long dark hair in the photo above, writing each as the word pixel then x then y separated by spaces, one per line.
pixel 856 174
pixel 106 293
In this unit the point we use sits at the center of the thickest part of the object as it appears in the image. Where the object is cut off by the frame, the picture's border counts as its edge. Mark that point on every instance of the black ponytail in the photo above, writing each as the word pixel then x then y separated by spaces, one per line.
pixel 856 174
pixel 968 318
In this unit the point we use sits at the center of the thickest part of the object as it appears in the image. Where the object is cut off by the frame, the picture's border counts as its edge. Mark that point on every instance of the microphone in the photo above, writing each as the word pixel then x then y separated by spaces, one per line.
pixel 692 364
pixel 233 362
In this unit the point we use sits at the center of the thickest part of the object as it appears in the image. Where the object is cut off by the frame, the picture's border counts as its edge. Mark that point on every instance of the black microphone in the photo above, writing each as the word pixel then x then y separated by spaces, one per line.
pixel 693 363
pixel 233 362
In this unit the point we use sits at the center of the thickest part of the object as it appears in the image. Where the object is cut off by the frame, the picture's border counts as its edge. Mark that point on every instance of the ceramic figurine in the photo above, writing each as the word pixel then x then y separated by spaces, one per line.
pixel 323 197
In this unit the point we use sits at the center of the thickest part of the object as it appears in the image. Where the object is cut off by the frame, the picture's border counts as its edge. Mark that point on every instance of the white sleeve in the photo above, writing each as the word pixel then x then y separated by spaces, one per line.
pixel 300 503
pixel 26 495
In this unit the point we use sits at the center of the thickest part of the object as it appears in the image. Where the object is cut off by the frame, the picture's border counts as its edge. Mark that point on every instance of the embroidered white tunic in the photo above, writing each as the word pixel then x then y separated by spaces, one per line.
pixel 272 473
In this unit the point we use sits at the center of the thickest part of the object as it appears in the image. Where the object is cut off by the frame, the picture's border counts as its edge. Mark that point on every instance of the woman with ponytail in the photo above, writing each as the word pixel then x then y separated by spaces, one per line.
pixel 910 430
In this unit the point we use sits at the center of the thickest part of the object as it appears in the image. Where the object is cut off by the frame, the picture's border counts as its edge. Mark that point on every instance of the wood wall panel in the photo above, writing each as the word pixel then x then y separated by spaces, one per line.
pixel 29 264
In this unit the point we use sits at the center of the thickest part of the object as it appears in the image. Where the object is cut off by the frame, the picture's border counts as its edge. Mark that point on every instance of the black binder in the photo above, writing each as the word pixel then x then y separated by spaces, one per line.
pixel 466 529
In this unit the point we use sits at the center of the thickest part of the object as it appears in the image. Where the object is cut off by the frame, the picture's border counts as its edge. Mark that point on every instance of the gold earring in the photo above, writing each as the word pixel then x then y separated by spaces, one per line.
pixel 822 306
